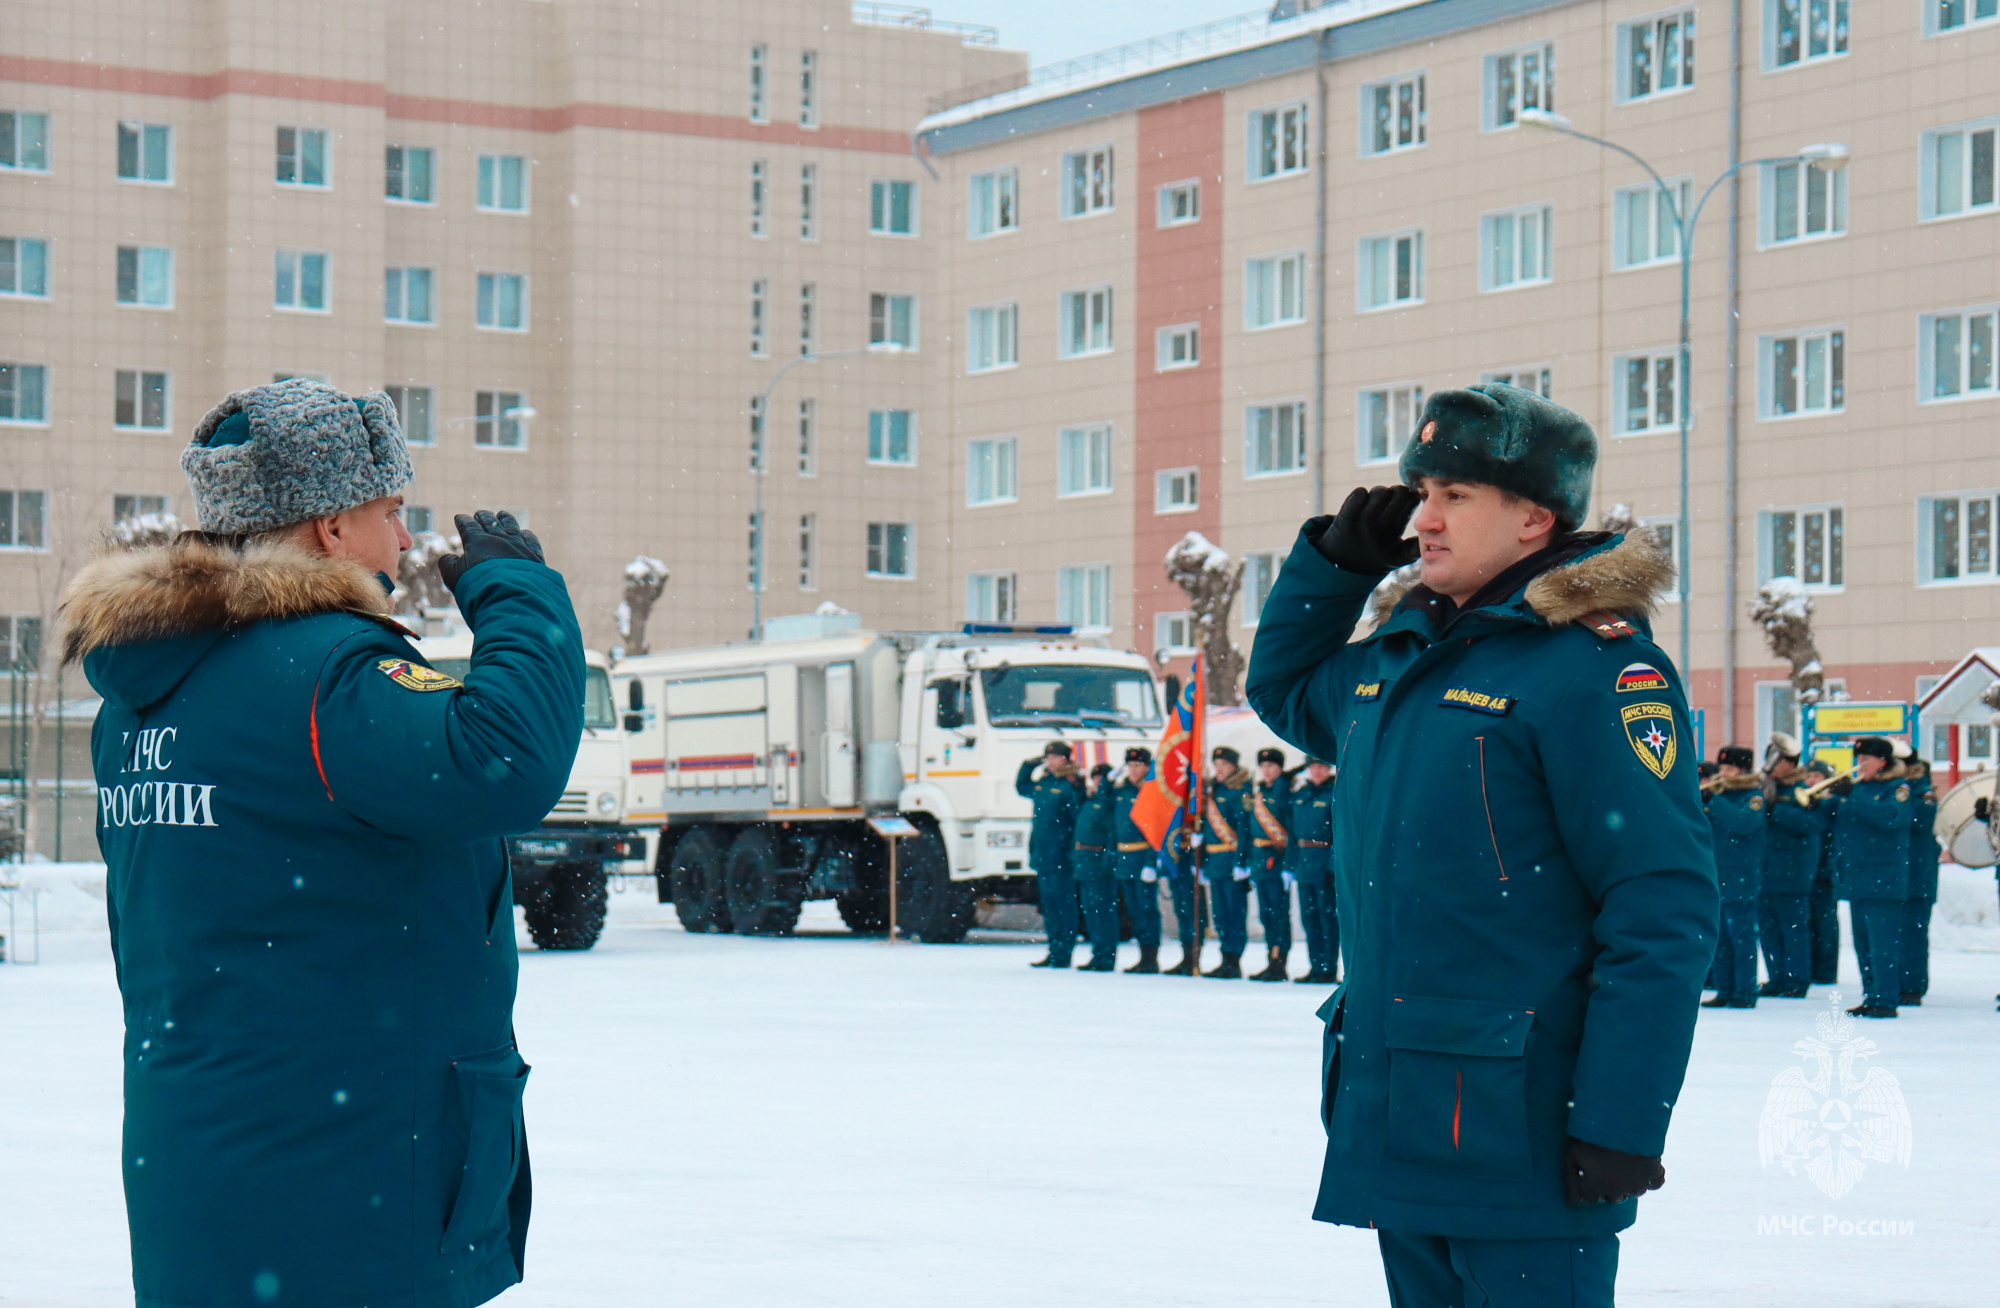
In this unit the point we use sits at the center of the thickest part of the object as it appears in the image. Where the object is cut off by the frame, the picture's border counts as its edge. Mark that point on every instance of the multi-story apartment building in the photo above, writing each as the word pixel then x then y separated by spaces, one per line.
pixel 1205 282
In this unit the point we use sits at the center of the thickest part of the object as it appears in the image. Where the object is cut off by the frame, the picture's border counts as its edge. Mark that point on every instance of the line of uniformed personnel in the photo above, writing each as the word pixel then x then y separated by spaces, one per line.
pixel 1262 835
pixel 1791 841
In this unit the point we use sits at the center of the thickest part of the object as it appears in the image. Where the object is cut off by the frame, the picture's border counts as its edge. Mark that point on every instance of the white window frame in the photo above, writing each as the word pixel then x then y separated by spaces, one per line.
pixel 1970 325
pixel 1660 224
pixel 1404 90
pixel 1001 202
pixel 430 174
pixel 760 198
pixel 1620 409
pixel 14 515
pixel 809 551
pixel 1364 281
pixel 809 437
pixel 21 262
pixel 1274 413
pixel 1182 339
pixel 760 313
pixel 1260 574
pixel 1176 490
pixel 299 135
pixel 495 277
pixel 1083 597
pixel 1264 290
pixel 12 373
pixel 400 397
pixel 1173 634
pixel 1171 196
pixel 1654 28
pixel 882 419
pixel 997 326
pixel 1934 24
pixel 760 83
pixel 1289 125
pixel 138 378
pixel 140 253
pixel 1966 501
pixel 16 166
pixel 497 192
pixel 1500 108
pixel 298 257
pixel 809 90
pixel 1085 322
pixel 992 597
pixel 1798 177
pixel 881 546
pixel 496 425
pixel 1666 529
pixel 1084 461
pixel 139 128
pixel 1834 361
pixel 1540 375
pixel 881 192
pixel 402 319
pixel 808 316
pixel 1494 259
pixel 992 471
pixel 138 504
pixel 1400 404
pixel 1804 523
pixel 809 202
pixel 1806 57
pixel 888 319
pixel 1930 165
pixel 1081 165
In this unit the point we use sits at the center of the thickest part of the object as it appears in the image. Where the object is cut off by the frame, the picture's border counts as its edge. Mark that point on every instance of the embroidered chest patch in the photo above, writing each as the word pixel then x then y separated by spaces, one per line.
pixel 1467 698
pixel 1650 729
pixel 1640 677
pixel 415 676
pixel 1368 690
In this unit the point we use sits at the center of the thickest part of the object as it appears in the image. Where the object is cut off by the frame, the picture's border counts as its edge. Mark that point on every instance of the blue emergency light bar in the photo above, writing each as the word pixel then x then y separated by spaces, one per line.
pixel 1014 629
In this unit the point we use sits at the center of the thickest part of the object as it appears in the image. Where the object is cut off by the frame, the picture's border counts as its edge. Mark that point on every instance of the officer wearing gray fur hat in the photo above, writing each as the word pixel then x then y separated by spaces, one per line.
pixel 1526 885
pixel 308 894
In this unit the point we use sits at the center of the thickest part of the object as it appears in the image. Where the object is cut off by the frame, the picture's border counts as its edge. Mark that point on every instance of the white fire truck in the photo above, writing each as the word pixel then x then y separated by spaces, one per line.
pixel 760 763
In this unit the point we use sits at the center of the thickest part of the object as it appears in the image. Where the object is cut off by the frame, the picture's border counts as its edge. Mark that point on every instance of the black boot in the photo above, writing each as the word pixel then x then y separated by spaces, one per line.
pixel 1189 965
pixel 1230 969
pixel 1275 970
pixel 1045 961
pixel 1718 1000
pixel 1149 960
pixel 1873 1010
pixel 1911 1000
pixel 1098 965
pixel 1318 978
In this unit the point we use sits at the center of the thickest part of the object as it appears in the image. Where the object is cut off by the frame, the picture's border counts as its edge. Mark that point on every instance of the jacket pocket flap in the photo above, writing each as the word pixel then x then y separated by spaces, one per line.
pixel 1458 1026
pixel 1326 1010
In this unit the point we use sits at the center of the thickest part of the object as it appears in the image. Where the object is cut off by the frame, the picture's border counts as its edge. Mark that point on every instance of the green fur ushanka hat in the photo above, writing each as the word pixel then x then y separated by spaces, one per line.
pixel 1503 436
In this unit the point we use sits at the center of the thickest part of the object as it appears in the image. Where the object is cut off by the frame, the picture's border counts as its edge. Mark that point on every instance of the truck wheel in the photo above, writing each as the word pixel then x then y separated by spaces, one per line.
pixel 567 910
pixel 698 886
pixel 761 901
pixel 930 906
pixel 866 912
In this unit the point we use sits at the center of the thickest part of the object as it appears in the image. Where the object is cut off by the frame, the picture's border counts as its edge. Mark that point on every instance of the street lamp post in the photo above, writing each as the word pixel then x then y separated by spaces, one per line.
pixel 759 468
pixel 1829 157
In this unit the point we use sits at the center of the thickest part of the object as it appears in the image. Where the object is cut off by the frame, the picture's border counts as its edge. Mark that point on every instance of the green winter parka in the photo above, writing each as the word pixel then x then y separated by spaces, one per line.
pixel 1056 798
pixel 1312 830
pixel 1093 829
pixel 1924 850
pixel 1128 851
pixel 1739 819
pixel 1791 843
pixel 311 919
pixel 1526 885
pixel 1871 837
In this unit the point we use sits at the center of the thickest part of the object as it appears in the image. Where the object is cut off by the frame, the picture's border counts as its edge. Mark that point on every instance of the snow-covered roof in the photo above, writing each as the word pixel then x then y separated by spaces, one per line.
pixel 1956 696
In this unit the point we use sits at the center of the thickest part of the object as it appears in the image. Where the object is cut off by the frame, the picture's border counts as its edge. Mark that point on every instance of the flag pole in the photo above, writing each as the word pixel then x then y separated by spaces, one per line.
pixel 1197 805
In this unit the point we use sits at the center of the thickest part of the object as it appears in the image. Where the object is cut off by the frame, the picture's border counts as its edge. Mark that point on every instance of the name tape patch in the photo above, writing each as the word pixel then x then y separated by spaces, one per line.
pixel 1639 677
pixel 415 676
pixel 1467 698
pixel 1368 690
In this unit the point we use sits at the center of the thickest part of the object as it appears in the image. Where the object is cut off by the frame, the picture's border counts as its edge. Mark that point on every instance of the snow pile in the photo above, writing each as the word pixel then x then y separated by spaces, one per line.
pixel 1195 550
pixel 68 896
pixel 828 609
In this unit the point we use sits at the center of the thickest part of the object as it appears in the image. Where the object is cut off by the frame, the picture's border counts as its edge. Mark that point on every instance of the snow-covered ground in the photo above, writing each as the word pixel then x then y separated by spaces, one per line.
pixel 830 1121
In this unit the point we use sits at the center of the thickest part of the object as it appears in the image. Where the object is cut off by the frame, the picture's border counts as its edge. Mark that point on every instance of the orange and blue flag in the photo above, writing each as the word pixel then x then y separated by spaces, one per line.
pixel 1174 790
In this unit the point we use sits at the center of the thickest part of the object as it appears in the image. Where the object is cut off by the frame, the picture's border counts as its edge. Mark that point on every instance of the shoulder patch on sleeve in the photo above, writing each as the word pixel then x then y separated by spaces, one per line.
pixel 1649 728
pixel 1607 626
pixel 415 676
pixel 1639 677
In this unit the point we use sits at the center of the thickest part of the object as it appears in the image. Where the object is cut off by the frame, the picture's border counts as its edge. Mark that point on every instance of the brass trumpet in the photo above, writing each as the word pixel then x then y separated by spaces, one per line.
pixel 1713 786
pixel 1805 795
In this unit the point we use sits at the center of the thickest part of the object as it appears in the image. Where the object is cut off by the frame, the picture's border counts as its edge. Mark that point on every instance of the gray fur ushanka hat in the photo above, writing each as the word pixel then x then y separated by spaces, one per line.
pixel 275 455
pixel 1499 435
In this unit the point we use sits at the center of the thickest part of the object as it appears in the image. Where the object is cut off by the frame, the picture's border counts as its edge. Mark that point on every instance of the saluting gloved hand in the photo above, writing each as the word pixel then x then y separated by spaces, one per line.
pixel 1593 1174
pixel 484 536
pixel 1366 536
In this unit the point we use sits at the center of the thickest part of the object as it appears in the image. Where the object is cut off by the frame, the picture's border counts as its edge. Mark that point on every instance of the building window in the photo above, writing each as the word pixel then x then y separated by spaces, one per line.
pixel 419 518
pixel 24 141
pixel 1387 418
pixel 892 436
pixel 1176 490
pixel 809 202
pixel 1391 270
pixel 993 203
pixel 760 106
pixel 755 575
pixel 503 183
pixel 1087 182
pixel 1274 439
pixel 1260 573
pixel 1177 347
pixel 1950 15
pixel 413 412
pixel 124 508
pixel 24 267
pixel 145 153
pixel 756 408
pixel 1274 291
pixel 1807 544
pixel 24 392
pixel 1955 537
pixel 1180 203
pixel 1656 55
pixel 21 642
pixel 146 276
pixel 1515 247
pixel 990 596
pixel 24 520
pixel 139 400
pixel 1277 142
pixel 889 553
pixel 498 420
pixel 302 156
pixel 407 174
pixel 892 320
pixel 759 172
pixel 759 343
pixel 503 302
pixel 1645 229
pixel 406 295
pixel 1958 168
pixel 1533 377
pixel 1086 322
pixel 1956 354
pixel 991 337
pixel 1644 395
pixel 1666 529
pixel 808 293
pixel 1173 634
pixel 1083 460
pixel 1802 374
pixel 808 88
pixel 1392 115
pixel 989 471
pixel 300 281
pixel 892 208
pixel 1083 597
pixel 808 551
pixel 1799 202
pixel 1520 79
pixel 324 379
pixel 1802 31
pixel 808 438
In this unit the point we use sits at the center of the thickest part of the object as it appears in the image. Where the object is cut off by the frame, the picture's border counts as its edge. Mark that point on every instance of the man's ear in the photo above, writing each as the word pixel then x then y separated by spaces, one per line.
pixel 1540 523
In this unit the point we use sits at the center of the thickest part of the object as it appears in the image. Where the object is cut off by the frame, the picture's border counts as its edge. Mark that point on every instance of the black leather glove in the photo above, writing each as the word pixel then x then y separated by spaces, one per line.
pixel 1843 787
pixel 1366 536
pixel 484 536
pixel 1982 809
pixel 1593 1174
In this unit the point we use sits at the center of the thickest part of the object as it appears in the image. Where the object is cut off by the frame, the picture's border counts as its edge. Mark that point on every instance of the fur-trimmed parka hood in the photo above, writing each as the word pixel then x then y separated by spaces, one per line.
pixel 1625 581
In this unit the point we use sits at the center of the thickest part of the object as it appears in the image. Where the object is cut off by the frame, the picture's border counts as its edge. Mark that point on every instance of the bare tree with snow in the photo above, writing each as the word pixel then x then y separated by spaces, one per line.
pixel 419 584
pixel 1785 611
pixel 1211 579
pixel 144 532
pixel 645 581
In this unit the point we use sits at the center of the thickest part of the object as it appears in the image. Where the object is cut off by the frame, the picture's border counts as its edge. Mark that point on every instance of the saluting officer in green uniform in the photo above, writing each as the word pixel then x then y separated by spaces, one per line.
pixel 1056 795
pixel 1526 882
pixel 1312 837
pixel 1271 814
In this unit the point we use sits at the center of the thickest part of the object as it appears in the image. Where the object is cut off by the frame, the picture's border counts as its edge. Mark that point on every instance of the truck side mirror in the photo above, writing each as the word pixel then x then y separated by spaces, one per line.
pixel 635 721
pixel 635 696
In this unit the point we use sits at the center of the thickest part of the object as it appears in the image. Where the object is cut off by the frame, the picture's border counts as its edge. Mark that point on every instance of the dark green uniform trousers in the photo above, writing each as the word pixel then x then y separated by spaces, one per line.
pixel 1916 967
pixel 1787 939
pixel 1824 919
pixel 1274 906
pixel 1878 944
pixel 1059 916
pixel 1316 912
pixel 1443 1271
pixel 1735 972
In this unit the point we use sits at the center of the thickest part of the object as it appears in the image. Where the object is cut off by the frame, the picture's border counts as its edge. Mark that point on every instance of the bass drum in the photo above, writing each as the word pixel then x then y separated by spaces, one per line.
pixel 1964 837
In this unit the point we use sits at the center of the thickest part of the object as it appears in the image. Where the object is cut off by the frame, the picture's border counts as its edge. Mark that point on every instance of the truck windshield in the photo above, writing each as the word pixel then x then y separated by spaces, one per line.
pixel 1075 695
pixel 596 690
